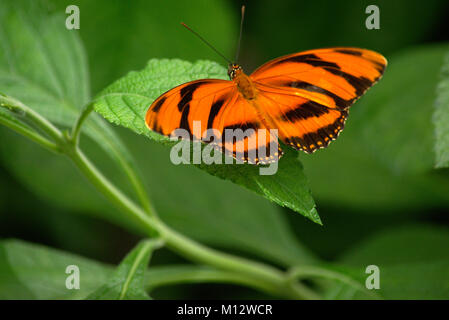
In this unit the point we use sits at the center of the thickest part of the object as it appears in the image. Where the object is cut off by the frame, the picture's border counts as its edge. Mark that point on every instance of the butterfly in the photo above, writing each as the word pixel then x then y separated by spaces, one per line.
pixel 305 96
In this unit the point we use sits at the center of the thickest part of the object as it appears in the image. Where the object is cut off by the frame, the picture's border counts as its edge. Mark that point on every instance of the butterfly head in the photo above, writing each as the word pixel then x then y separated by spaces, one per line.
pixel 233 70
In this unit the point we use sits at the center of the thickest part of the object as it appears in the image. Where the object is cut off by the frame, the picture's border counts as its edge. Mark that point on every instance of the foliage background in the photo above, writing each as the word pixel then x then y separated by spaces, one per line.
pixel 378 195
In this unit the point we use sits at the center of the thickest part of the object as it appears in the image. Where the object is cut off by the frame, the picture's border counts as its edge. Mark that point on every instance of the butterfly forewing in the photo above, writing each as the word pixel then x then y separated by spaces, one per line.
pixel 176 107
pixel 213 111
pixel 308 93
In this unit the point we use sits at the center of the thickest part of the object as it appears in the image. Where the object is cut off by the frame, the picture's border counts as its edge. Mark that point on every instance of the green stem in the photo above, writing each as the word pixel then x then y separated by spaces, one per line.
pixel 30 134
pixel 202 254
pixel 136 183
pixel 146 249
pixel 111 192
pixel 169 275
pixel 127 168
pixel 41 122
pixel 76 130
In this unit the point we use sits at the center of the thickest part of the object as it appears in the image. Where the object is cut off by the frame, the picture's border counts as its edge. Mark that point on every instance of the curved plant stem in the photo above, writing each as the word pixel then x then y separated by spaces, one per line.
pixel 111 191
pixel 135 181
pixel 168 275
pixel 148 246
pixel 76 130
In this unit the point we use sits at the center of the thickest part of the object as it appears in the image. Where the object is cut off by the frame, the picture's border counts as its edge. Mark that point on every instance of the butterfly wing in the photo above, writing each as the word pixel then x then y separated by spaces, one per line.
pixel 213 104
pixel 174 108
pixel 308 94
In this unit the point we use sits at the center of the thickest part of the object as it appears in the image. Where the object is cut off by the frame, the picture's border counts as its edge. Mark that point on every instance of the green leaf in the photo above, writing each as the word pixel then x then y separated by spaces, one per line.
pixel 347 174
pixel 127 282
pixel 395 119
pixel 412 260
pixel 288 187
pixel 126 101
pixel 30 271
pixel 41 62
pixel 441 118
pixel 44 65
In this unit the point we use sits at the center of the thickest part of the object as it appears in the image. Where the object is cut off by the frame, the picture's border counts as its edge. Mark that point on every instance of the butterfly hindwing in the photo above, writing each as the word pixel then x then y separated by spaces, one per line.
pixel 302 123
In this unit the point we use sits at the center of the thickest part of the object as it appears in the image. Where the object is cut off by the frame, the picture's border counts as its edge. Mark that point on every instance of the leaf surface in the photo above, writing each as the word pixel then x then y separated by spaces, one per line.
pixel 127 282
pixel 441 118
pixel 30 271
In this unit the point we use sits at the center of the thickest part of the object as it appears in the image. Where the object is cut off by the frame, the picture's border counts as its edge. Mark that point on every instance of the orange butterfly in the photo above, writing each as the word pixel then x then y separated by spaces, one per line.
pixel 305 96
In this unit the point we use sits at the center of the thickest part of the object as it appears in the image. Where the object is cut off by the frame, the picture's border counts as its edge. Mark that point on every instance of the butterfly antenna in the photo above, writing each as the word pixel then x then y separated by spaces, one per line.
pixel 204 40
pixel 240 36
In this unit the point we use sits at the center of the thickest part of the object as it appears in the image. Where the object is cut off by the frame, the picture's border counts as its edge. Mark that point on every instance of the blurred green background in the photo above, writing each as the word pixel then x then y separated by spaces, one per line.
pixel 377 193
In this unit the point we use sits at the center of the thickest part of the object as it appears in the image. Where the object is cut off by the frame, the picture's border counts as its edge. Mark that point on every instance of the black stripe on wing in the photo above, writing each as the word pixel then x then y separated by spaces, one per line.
pixel 311 141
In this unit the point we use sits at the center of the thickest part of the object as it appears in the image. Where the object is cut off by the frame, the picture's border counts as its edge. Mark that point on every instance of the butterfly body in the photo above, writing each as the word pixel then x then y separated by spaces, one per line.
pixel 304 96
pixel 244 84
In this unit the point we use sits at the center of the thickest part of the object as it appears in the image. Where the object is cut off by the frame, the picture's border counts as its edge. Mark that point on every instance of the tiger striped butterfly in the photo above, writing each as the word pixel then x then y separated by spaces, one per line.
pixel 305 96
